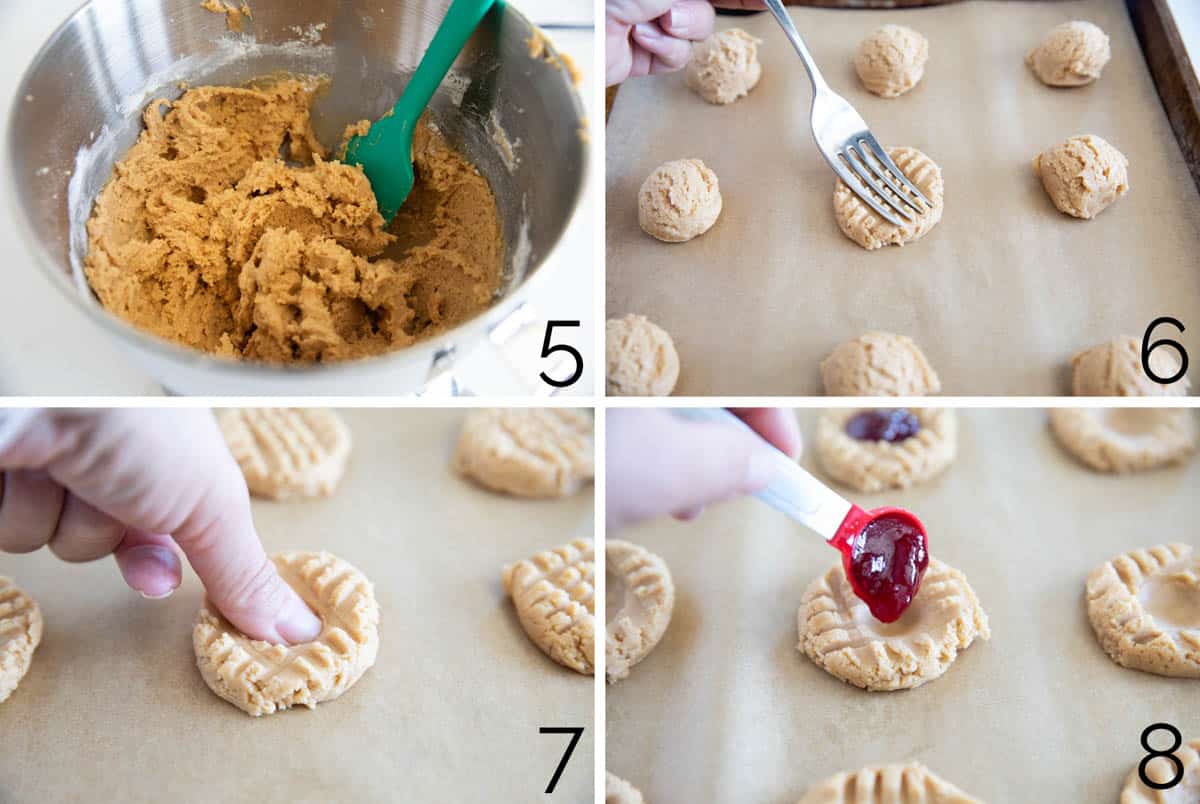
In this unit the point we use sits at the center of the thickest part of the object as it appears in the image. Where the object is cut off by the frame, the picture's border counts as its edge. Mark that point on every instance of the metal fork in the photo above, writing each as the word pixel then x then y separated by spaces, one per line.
pixel 849 146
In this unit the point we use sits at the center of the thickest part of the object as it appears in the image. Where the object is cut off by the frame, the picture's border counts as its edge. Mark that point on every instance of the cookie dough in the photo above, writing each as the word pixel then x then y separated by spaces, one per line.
pixel 1083 175
pixel 870 466
pixel 20 634
pixel 640 356
pixel 1071 55
pixel 639 598
pixel 680 200
pixel 839 633
pixel 527 452
pixel 891 60
pixel 1125 439
pixel 619 791
pixel 287 454
pixel 879 364
pixel 1161 771
pixel 260 678
pixel 1115 369
pixel 554 595
pixel 889 784
pixel 207 237
pixel 1145 609
pixel 860 223
pixel 724 67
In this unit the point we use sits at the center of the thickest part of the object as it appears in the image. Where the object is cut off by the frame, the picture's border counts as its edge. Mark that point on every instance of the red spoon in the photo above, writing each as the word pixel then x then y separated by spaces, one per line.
pixel 885 551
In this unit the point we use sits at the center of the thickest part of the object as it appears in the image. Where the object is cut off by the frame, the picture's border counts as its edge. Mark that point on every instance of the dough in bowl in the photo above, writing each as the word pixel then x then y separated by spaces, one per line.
pixel 1125 439
pixel 891 60
pixel 640 357
pixel 1114 368
pixel 861 224
pixel 1072 54
pixel 679 200
pixel 1083 175
pixel 879 364
pixel 890 784
pixel 724 67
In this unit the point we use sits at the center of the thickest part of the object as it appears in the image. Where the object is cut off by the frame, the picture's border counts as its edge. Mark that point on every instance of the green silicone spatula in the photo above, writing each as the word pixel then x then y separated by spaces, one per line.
pixel 385 152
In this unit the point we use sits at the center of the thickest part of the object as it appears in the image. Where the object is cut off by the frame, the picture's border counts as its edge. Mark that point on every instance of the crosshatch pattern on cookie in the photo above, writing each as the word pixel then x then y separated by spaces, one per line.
pixel 528 452
pixel 287 453
pixel 262 678
pixel 838 632
pixel 640 618
pixel 871 466
pixel 890 784
pixel 1144 606
pixel 1161 770
pixel 863 225
pixel 554 595
pixel 20 634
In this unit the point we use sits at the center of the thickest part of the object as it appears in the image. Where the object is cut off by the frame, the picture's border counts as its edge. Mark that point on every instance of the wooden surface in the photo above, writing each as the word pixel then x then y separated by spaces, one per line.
pixel 1173 73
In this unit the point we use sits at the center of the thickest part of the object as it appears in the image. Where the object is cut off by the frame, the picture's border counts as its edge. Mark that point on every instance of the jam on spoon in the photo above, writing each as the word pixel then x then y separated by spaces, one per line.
pixel 885 553
pixel 883 425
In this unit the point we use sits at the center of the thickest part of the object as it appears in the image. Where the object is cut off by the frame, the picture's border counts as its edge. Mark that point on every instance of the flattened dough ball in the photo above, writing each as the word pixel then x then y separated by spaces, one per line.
pixel 1161 771
pixel 1145 609
pixel 20 633
pixel 640 357
pixel 890 784
pixel 555 598
pixel 639 599
pixel 879 364
pixel 839 633
pixel 287 453
pixel 724 67
pixel 260 678
pixel 861 224
pixel 869 465
pixel 891 60
pixel 1125 439
pixel 1071 55
pixel 527 452
pixel 619 791
pixel 1083 175
pixel 1114 368
pixel 680 200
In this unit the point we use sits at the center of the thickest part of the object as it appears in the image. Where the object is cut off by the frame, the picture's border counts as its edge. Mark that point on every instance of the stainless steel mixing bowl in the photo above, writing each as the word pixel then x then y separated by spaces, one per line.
pixel 78 109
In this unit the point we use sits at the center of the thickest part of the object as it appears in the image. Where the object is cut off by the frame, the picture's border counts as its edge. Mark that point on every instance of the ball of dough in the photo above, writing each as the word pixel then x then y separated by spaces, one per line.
pixel 724 67
pixel 860 223
pixel 639 600
pixel 873 466
pixel 679 200
pixel 641 357
pixel 879 364
pixel 1115 369
pixel 1071 55
pixel 1083 175
pixel 891 60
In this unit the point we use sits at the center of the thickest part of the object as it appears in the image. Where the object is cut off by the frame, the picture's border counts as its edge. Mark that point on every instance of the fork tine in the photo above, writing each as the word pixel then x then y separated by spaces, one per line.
pixel 883 157
pixel 858 163
pixel 884 175
pixel 862 192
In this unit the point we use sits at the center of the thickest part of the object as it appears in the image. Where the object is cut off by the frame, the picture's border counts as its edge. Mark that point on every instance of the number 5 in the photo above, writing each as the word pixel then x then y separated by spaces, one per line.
pixel 548 350
pixel 577 732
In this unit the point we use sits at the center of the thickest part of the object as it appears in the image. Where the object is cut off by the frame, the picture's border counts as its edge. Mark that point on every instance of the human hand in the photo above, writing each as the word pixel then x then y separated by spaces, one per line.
pixel 647 37
pixel 91 483
pixel 658 463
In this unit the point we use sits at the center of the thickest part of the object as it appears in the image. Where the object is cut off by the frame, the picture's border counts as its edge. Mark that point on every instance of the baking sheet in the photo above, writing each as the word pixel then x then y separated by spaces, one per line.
pixel 999 294
pixel 726 708
pixel 113 705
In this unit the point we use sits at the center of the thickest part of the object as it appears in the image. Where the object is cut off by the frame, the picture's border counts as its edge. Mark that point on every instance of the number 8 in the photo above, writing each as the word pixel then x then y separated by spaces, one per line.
pixel 1169 753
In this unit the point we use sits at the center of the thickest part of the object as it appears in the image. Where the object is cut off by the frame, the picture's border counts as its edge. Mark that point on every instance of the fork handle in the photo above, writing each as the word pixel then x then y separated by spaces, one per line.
pixel 789 29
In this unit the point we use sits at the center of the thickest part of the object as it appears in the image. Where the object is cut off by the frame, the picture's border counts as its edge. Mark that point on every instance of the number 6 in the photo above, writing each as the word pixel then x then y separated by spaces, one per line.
pixel 1148 347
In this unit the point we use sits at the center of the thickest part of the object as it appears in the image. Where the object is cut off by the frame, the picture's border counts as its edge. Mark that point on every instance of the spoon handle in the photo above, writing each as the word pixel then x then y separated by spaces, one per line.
pixel 461 20
pixel 793 491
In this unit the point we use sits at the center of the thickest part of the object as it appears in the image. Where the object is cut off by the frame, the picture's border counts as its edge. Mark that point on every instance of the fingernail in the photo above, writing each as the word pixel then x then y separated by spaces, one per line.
pixel 153 572
pixel 680 21
pixel 163 596
pixel 648 30
pixel 760 469
pixel 298 623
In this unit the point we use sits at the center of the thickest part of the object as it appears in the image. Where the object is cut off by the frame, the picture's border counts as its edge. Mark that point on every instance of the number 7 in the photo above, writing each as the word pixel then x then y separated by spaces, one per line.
pixel 577 731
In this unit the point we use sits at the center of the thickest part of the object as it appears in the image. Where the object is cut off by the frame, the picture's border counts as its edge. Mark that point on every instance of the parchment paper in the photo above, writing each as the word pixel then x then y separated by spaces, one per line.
pixel 999 294
pixel 726 709
pixel 113 707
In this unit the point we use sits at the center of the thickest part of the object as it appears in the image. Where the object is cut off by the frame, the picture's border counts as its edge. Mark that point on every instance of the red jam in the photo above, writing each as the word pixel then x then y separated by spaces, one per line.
pixel 883 425
pixel 887 561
